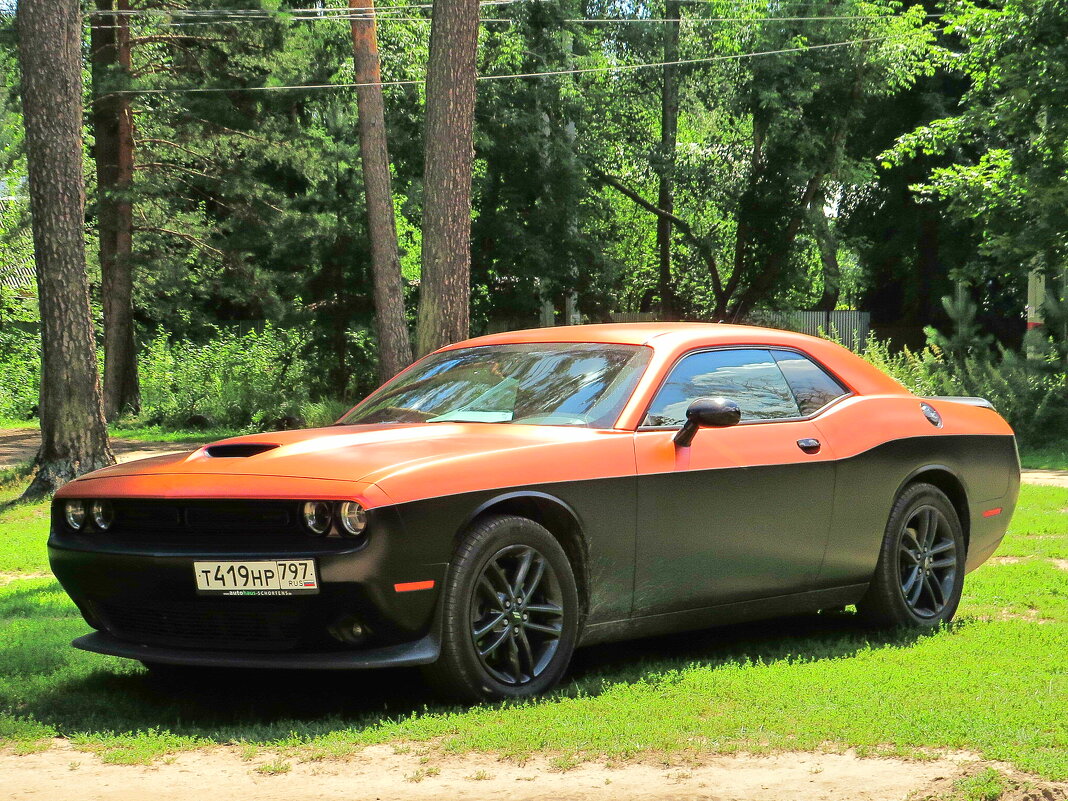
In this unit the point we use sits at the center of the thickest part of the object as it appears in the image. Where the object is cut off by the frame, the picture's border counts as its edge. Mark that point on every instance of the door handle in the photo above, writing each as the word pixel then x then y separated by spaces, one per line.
pixel 809 445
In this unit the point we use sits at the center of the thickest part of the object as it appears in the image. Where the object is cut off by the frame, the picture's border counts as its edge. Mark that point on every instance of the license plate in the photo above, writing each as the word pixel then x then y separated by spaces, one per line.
pixel 274 577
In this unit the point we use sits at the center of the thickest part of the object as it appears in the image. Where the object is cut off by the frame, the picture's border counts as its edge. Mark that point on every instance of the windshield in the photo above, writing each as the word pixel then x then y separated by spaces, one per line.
pixel 550 384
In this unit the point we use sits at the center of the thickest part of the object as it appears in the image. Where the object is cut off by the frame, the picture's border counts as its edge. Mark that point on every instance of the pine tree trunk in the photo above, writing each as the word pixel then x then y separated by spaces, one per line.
pixel 394 344
pixel 73 434
pixel 669 128
pixel 113 129
pixel 444 314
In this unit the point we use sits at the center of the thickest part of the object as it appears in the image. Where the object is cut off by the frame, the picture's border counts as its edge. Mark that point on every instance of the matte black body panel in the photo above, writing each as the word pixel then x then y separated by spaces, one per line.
pixel 711 537
pixel 986 467
pixel 691 619
pixel 604 513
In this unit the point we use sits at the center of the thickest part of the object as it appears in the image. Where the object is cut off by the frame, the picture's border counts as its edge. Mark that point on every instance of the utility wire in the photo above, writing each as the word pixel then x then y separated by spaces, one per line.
pixel 545 74
pixel 577 21
pixel 268 13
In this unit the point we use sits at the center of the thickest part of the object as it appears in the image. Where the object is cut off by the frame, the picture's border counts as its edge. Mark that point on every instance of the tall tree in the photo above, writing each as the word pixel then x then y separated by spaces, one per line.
pixel 669 132
pixel 394 345
pixel 74 437
pixel 1007 142
pixel 444 297
pixel 113 130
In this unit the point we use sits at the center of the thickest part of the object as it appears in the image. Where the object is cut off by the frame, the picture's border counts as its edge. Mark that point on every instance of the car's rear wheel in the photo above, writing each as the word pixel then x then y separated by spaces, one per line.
pixel 510 613
pixel 920 574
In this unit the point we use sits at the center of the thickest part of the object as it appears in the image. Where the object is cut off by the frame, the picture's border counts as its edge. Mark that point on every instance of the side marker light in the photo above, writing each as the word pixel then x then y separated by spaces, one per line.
pixel 411 586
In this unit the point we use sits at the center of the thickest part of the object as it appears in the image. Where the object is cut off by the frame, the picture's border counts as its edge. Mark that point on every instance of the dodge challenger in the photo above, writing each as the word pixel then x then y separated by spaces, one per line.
pixel 511 497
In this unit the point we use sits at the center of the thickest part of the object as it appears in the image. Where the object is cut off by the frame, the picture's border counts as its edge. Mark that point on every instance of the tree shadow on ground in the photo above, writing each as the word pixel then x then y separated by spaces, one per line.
pixel 87 693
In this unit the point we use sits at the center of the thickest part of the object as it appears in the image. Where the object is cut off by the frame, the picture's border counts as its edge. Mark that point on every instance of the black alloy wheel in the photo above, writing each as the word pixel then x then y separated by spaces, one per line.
pixel 920 573
pixel 517 615
pixel 928 560
pixel 510 613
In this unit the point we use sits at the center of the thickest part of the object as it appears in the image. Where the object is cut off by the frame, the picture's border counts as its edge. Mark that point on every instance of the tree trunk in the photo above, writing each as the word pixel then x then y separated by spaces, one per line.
pixel 394 345
pixel 444 299
pixel 74 437
pixel 113 129
pixel 827 243
pixel 669 128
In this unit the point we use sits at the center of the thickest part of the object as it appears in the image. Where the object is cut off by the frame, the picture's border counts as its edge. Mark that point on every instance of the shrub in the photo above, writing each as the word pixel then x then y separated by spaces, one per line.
pixel 20 375
pixel 233 380
pixel 20 356
pixel 317 414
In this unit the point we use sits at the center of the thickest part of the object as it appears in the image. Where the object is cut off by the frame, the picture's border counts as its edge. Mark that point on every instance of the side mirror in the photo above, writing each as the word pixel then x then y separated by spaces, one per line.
pixel 707 413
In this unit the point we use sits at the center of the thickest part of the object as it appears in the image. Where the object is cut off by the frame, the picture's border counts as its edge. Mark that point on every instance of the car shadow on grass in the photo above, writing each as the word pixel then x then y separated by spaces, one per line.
pixel 45 680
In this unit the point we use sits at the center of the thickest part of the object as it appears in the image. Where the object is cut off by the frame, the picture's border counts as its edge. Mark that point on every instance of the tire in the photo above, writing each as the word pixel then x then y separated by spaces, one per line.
pixel 507 631
pixel 920 574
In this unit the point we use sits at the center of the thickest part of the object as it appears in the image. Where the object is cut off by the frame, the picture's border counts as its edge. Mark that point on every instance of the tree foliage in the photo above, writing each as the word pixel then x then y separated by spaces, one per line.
pixel 870 153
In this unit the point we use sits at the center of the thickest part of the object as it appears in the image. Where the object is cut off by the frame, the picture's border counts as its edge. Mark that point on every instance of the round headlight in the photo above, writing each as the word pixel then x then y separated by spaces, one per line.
pixel 353 518
pixel 75 514
pixel 317 517
pixel 103 514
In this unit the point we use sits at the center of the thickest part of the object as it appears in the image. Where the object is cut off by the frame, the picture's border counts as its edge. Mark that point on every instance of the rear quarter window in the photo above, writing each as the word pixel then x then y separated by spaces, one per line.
pixel 813 387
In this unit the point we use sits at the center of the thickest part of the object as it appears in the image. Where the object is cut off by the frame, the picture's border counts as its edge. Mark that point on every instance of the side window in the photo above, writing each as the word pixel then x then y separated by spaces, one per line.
pixel 749 377
pixel 812 387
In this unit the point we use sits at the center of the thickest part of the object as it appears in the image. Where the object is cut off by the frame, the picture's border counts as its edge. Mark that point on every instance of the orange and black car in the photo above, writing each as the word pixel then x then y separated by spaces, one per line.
pixel 511 497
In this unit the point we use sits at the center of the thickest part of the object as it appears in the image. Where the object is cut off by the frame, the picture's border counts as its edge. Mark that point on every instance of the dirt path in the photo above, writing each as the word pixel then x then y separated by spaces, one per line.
pixel 19 446
pixel 1053 478
pixel 380 772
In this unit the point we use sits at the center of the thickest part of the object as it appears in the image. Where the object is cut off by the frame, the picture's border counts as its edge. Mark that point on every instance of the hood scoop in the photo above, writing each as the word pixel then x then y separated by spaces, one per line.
pixel 239 450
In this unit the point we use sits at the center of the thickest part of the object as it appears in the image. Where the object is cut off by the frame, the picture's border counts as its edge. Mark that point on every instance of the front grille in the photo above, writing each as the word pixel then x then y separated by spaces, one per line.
pixel 148 517
pixel 208 625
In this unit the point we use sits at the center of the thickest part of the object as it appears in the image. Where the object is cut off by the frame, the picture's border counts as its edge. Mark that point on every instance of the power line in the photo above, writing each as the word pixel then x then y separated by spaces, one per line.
pixel 583 20
pixel 573 21
pixel 250 12
pixel 743 19
pixel 545 74
pixel 340 11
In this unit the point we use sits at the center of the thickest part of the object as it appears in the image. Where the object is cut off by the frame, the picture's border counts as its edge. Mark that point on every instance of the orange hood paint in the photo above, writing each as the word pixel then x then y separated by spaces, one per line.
pixel 407 462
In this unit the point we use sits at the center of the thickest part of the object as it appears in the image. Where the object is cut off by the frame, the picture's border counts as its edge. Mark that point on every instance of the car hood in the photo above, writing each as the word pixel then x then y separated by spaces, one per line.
pixel 352 453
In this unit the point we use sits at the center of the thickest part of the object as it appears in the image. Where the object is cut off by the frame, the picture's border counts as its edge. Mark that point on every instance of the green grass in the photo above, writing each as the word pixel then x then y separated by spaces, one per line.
pixel 144 433
pixel 996 682
pixel 987 785
pixel 1049 457
pixel 14 422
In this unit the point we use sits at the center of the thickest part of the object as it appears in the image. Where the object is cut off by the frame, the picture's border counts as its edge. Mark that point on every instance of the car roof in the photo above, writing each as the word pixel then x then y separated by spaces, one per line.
pixel 657 335
pixel 670 341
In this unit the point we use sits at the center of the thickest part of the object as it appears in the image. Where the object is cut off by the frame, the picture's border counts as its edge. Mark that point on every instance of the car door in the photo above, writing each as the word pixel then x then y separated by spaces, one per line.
pixel 743 512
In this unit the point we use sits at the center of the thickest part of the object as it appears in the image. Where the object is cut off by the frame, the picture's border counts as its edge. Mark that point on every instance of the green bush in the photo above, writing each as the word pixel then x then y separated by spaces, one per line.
pixel 1032 394
pixel 20 375
pixel 317 414
pixel 233 380
pixel 20 356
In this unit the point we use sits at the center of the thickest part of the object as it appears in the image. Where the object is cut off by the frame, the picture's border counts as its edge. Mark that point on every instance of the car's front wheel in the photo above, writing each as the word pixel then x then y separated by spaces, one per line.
pixel 510 613
pixel 920 574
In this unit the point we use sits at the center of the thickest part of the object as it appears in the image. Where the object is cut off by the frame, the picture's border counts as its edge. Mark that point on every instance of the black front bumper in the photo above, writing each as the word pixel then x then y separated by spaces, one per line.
pixel 421 652
pixel 143 601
